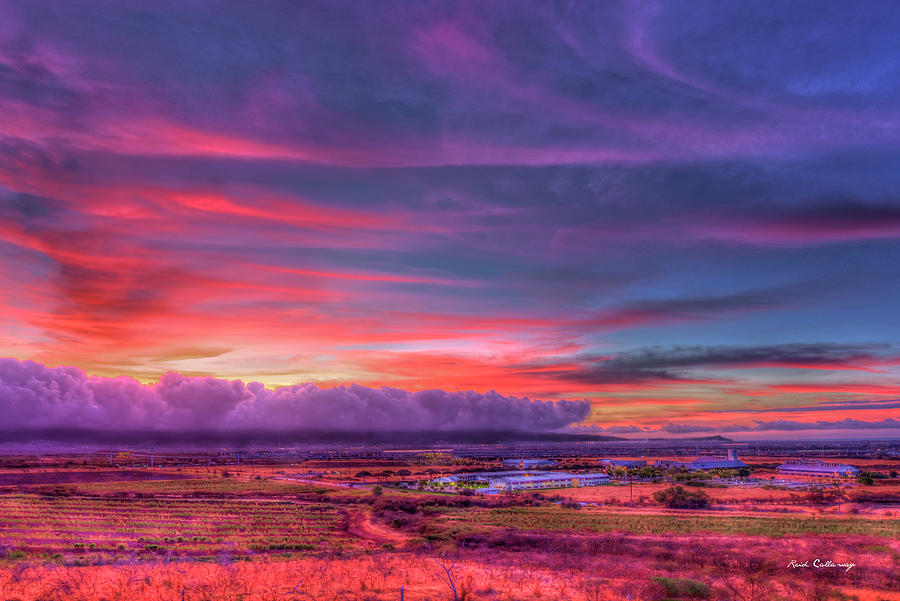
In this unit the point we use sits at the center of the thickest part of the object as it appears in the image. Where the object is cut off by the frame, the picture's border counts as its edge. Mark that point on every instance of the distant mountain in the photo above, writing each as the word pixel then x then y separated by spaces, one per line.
pixel 695 439
pixel 402 437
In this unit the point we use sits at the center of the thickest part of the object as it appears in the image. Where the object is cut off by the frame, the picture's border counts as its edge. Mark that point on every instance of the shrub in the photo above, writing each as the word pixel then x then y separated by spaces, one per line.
pixel 677 497
pixel 683 587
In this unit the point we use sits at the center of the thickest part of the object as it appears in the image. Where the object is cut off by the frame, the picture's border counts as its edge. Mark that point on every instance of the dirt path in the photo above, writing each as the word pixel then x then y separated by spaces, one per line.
pixel 365 527
pixel 318 482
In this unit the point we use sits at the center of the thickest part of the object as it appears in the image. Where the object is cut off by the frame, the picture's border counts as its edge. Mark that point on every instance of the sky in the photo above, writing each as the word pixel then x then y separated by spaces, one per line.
pixel 680 218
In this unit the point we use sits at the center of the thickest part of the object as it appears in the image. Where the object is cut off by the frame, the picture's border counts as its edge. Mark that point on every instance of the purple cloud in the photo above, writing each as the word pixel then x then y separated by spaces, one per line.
pixel 34 397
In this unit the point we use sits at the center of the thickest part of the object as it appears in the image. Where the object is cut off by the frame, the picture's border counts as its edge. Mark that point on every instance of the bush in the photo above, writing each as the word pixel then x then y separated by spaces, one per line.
pixel 683 587
pixel 677 497
pixel 395 504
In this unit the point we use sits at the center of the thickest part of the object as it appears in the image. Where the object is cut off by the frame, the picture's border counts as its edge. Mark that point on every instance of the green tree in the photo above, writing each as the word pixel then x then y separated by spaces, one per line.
pixel 677 497
pixel 648 471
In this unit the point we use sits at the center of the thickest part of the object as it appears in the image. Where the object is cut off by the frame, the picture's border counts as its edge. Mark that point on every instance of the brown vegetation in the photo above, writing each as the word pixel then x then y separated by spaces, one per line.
pixel 254 538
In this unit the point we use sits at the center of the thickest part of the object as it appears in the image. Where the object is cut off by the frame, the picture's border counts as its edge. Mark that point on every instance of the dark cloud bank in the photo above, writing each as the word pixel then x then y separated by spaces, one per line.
pixel 64 402
pixel 676 363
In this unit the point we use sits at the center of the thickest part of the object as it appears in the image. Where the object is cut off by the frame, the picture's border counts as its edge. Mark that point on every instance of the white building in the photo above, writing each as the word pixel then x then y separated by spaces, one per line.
pixel 816 467
pixel 548 480
pixel 592 479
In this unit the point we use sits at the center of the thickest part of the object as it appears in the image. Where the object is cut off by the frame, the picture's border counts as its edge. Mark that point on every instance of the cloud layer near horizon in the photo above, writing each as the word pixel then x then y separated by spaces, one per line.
pixel 35 397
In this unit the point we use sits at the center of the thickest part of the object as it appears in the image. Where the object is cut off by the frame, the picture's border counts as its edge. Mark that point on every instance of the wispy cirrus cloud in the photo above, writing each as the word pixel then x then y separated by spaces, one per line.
pixel 643 205
pixel 757 426
pixel 681 363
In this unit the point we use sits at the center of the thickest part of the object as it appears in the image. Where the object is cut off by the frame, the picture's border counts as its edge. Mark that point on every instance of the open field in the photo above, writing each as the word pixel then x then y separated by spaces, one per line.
pixel 201 486
pixel 64 477
pixel 120 527
pixel 249 535
pixel 509 567
pixel 557 518
pixel 622 493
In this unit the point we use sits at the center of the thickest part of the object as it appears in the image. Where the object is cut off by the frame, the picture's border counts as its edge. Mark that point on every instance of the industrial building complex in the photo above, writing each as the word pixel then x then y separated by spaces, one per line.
pixel 526 477
pixel 729 461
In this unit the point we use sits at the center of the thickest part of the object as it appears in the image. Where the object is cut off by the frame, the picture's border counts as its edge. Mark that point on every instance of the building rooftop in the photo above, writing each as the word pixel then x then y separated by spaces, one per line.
pixel 711 464
pixel 539 477
pixel 816 466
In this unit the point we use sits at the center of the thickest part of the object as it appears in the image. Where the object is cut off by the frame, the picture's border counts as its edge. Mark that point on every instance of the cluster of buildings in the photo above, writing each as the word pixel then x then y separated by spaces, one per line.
pixel 801 467
pixel 728 462
pixel 524 476
pixel 475 477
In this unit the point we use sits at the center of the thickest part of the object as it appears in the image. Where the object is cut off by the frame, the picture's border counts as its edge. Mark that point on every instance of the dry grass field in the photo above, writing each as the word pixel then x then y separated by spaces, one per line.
pixel 530 567
pixel 727 496
pixel 233 533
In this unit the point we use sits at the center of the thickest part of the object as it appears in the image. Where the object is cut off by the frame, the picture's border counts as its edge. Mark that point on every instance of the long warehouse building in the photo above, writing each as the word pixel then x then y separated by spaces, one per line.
pixel 815 467
pixel 548 480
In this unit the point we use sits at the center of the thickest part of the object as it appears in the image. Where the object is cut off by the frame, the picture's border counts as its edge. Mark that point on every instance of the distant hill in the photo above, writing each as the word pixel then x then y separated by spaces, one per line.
pixel 695 439
pixel 422 437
